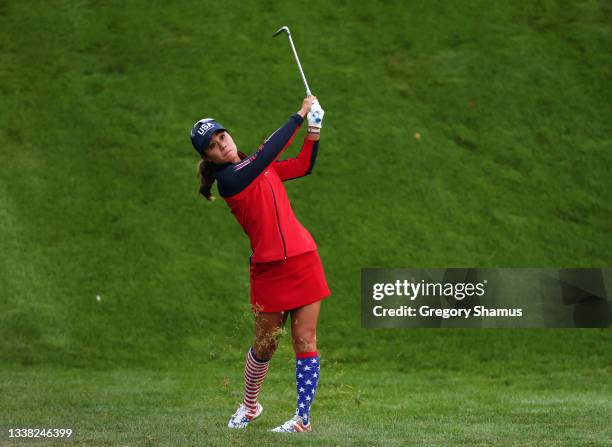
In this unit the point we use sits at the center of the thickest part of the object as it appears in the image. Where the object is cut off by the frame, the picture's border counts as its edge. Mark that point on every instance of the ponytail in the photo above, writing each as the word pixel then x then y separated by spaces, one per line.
pixel 206 174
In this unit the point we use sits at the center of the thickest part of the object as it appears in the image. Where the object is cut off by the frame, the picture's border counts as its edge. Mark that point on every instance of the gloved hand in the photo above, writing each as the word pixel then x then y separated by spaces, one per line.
pixel 315 116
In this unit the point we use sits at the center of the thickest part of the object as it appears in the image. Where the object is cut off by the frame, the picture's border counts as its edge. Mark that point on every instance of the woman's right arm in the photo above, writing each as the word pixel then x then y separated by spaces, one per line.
pixel 237 177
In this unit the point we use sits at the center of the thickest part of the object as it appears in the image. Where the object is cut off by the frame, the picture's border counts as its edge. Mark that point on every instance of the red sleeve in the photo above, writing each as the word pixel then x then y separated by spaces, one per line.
pixel 299 166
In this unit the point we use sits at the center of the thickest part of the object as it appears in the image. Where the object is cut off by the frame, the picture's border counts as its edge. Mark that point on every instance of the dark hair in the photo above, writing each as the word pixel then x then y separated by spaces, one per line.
pixel 206 174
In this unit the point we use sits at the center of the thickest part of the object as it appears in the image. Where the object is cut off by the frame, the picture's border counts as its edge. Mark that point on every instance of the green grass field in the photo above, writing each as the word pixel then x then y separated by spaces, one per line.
pixel 98 197
pixel 491 387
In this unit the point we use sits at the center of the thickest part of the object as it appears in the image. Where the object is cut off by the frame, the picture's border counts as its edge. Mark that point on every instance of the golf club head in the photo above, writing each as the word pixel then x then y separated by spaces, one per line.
pixel 280 30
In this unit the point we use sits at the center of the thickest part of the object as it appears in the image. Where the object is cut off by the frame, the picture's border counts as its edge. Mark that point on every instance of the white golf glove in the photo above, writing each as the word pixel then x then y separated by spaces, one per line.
pixel 315 116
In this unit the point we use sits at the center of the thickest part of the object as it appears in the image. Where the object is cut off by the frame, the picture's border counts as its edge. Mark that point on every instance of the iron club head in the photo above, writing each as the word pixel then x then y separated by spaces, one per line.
pixel 280 30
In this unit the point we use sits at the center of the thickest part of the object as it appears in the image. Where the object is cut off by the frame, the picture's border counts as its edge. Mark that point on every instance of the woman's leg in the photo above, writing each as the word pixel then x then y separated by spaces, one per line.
pixel 307 369
pixel 268 328
pixel 304 328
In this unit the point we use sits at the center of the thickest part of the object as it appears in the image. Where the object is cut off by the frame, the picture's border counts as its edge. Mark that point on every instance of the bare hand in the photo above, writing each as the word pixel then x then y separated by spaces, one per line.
pixel 306 104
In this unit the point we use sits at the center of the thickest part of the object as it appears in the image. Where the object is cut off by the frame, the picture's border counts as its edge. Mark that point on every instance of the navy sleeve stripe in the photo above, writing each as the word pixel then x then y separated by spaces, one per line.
pixel 313 157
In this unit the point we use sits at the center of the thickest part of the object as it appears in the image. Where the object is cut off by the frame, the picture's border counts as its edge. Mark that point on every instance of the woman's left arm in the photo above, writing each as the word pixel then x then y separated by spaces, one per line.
pixel 301 165
pixel 304 163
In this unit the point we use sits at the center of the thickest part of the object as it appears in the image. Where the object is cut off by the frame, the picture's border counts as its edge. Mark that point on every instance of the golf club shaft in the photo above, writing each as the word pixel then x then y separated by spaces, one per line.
pixel 297 59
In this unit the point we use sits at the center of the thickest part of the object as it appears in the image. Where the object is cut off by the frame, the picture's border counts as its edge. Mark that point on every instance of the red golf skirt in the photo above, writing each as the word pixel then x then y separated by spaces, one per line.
pixel 288 284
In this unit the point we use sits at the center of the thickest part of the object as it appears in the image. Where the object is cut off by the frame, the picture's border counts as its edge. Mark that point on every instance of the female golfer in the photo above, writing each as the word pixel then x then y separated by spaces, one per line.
pixel 286 275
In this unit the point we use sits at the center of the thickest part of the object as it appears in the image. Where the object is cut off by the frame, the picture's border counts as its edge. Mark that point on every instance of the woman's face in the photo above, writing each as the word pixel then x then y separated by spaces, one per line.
pixel 222 149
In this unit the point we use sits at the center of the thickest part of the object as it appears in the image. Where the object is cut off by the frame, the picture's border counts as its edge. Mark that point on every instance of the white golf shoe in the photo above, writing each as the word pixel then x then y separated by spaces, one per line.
pixel 241 418
pixel 293 425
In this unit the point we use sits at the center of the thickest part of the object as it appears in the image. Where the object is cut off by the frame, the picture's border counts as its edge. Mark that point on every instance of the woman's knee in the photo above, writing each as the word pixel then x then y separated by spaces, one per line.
pixel 265 345
pixel 268 330
pixel 304 339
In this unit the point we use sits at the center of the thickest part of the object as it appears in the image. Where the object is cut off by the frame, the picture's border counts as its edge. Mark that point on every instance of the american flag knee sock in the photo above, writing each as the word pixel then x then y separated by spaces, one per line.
pixel 307 371
pixel 254 374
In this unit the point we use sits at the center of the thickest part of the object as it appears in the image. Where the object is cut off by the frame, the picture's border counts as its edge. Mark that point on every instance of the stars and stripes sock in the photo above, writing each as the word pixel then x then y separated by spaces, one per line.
pixel 255 371
pixel 307 371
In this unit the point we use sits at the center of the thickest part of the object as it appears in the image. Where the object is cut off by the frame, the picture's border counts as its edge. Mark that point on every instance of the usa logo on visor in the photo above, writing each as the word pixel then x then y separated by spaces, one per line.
pixel 205 128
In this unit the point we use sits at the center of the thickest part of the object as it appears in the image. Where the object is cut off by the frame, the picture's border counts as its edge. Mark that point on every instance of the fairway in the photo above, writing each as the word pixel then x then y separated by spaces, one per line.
pixel 456 134
pixel 483 397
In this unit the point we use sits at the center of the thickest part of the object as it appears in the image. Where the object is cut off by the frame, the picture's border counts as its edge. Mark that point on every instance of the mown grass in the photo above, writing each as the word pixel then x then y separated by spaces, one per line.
pixel 356 406
pixel 98 197
pixel 427 387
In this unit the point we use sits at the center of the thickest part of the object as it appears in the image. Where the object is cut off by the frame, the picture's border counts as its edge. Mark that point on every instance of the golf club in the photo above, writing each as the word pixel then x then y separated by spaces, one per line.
pixel 297 59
